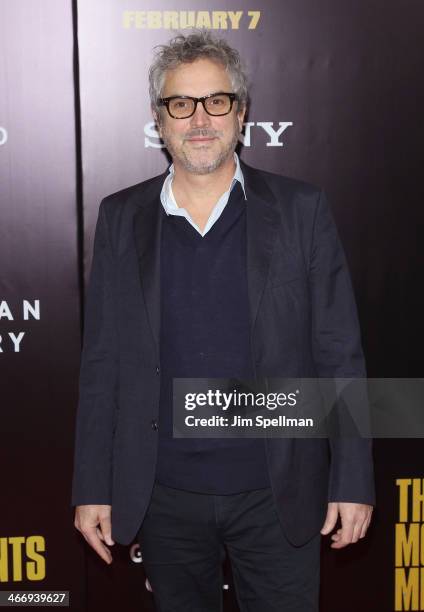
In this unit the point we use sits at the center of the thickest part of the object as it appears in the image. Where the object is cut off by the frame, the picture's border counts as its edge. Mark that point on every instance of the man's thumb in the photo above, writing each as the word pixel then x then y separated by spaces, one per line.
pixel 330 519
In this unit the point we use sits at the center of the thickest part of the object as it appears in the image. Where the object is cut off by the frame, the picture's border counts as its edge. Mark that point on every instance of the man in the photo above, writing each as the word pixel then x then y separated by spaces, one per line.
pixel 214 269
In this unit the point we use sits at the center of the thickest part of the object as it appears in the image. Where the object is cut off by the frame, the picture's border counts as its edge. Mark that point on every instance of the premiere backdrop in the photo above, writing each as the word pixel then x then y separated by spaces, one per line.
pixel 336 99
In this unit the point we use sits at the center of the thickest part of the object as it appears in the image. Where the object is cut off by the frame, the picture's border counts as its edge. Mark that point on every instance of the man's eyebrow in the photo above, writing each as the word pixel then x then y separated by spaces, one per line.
pixel 178 95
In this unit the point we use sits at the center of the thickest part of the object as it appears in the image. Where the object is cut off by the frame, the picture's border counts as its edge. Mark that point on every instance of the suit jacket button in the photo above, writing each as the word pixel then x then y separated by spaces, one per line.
pixel 157 370
pixel 154 425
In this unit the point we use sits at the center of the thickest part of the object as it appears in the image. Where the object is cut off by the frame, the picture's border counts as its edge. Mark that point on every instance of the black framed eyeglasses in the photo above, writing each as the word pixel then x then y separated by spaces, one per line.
pixel 215 104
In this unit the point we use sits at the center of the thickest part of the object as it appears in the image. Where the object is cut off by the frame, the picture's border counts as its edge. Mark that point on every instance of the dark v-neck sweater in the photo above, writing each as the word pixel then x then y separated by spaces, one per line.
pixel 205 334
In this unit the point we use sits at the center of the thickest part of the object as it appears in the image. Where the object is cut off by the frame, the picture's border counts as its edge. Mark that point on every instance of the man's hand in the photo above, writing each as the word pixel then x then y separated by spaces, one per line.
pixel 87 519
pixel 355 519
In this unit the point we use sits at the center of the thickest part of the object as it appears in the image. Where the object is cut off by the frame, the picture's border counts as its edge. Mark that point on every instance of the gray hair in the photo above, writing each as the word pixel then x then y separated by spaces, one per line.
pixel 200 44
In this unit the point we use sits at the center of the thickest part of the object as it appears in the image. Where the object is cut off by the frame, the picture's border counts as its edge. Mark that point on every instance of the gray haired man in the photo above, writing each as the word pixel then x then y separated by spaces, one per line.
pixel 214 269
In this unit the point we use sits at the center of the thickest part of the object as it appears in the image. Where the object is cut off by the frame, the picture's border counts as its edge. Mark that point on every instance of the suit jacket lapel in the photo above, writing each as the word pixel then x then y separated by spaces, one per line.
pixel 147 232
pixel 263 220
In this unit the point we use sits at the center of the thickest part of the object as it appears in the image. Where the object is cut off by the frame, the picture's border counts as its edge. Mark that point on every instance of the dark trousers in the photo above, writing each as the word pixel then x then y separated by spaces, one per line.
pixel 184 539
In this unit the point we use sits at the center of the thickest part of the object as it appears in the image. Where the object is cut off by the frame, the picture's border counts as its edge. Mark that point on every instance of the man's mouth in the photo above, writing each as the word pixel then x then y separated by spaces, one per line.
pixel 201 138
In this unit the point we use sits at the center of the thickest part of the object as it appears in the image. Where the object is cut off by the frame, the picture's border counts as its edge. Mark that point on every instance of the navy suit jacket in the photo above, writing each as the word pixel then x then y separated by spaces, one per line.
pixel 303 324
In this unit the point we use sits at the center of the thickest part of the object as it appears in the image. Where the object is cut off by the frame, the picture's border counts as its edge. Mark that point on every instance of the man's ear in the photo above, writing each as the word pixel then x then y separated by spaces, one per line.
pixel 240 115
pixel 157 118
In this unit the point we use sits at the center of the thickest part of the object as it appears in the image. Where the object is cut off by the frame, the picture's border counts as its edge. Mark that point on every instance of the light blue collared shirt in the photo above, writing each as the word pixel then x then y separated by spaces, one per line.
pixel 171 207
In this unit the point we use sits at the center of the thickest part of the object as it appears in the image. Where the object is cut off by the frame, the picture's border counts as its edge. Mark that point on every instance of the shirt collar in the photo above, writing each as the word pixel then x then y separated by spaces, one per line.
pixel 167 196
pixel 238 175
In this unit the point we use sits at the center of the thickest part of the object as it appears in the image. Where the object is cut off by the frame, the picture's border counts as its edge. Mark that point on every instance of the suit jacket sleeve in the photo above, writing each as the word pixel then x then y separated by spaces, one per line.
pixel 98 378
pixel 337 352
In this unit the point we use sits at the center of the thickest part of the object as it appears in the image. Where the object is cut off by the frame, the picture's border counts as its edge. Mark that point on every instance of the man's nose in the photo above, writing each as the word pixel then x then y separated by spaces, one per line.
pixel 200 116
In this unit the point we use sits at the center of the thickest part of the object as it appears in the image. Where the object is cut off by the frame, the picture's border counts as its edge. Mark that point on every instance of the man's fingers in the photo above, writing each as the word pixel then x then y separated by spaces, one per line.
pixel 357 528
pixel 96 544
pixel 106 530
pixel 364 529
pixel 94 522
pixel 355 521
pixel 344 535
pixel 365 526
